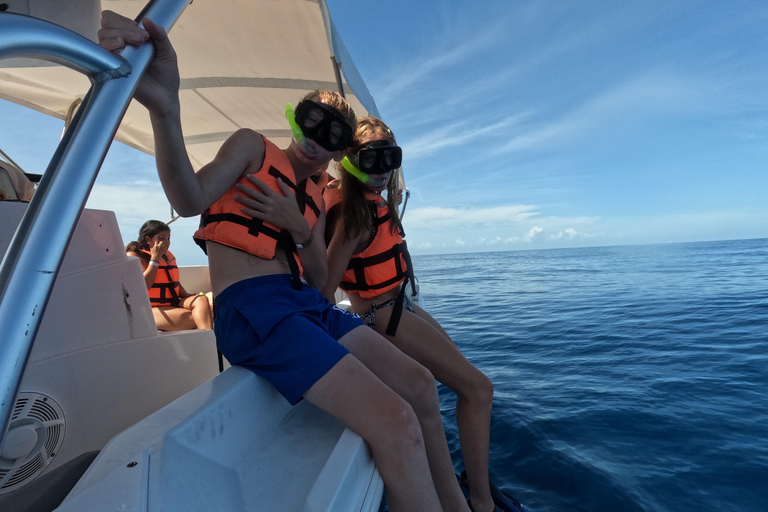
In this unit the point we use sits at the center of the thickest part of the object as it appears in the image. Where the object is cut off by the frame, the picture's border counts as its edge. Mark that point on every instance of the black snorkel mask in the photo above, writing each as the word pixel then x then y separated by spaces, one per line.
pixel 375 157
pixel 323 124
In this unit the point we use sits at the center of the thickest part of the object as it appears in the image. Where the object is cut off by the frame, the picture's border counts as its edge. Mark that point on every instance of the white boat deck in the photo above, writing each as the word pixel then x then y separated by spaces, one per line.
pixel 232 444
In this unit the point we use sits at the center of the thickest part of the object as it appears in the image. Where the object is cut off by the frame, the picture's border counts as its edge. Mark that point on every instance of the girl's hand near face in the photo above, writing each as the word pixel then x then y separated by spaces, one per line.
pixel 158 246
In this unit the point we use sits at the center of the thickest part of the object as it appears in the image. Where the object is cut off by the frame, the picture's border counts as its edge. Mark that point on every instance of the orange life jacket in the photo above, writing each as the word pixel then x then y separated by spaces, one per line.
pixel 224 223
pixel 166 288
pixel 385 262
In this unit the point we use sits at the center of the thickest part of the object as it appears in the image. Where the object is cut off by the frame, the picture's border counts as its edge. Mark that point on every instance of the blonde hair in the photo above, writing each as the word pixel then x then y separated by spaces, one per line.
pixel 355 210
pixel 336 101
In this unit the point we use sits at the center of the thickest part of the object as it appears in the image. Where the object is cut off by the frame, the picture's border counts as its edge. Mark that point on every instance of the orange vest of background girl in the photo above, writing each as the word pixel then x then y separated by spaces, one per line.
pixel 173 308
pixel 367 258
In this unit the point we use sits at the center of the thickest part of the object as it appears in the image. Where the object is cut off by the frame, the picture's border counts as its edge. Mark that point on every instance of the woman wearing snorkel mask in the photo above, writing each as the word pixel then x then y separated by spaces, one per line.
pixel 368 259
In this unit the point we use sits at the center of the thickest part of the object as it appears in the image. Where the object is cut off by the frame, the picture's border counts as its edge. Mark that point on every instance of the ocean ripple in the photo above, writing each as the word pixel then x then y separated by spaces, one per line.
pixel 627 378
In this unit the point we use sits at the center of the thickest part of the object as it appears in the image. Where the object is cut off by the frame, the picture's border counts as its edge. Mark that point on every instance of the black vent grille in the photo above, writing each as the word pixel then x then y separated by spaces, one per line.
pixel 46 417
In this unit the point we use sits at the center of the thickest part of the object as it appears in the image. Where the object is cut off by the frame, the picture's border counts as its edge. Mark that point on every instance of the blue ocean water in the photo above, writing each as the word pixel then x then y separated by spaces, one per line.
pixel 626 378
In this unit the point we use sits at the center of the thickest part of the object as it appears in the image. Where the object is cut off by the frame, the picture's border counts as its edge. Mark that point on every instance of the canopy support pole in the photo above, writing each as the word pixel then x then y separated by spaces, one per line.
pixel 32 262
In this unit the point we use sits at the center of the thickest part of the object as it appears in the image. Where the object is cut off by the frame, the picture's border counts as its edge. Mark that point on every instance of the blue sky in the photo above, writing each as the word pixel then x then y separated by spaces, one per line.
pixel 556 124
pixel 540 124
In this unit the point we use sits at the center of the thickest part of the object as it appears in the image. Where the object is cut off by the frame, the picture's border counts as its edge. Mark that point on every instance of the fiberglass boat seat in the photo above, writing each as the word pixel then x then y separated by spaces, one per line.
pixel 234 444
pixel 98 364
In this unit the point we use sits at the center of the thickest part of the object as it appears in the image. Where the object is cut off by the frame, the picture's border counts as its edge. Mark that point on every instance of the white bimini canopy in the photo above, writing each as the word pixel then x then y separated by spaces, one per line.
pixel 240 62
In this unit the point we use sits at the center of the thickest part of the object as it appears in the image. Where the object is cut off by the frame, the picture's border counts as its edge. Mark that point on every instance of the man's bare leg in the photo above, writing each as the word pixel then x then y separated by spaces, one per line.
pixel 357 397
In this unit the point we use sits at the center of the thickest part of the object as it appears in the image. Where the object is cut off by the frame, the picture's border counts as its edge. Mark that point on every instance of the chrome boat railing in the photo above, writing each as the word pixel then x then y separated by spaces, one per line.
pixel 31 264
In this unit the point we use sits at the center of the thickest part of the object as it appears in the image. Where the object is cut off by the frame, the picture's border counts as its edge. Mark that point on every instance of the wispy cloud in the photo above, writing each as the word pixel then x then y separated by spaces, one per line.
pixel 624 106
pixel 458 134
pixel 425 67
pixel 433 216
pixel 501 228
pixel 628 103
pixel 533 233
pixel 571 234
pixel 523 41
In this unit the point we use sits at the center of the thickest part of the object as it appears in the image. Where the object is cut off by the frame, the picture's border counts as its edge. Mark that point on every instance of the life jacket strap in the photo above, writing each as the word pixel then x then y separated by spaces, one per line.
pixel 410 275
pixel 358 265
pixel 289 247
pixel 303 199
pixel 397 310
pixel 168 294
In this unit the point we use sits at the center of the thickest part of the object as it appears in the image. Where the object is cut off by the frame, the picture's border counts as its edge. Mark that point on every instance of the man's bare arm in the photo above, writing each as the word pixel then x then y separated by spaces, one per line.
pixel 188 192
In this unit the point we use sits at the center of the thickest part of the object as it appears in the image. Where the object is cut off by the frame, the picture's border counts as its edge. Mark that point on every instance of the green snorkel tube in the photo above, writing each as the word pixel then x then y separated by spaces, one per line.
pixel 298 135
pixel 353 170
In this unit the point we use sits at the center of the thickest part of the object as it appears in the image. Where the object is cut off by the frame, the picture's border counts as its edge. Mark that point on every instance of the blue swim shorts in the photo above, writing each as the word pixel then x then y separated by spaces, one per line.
pixel 287 336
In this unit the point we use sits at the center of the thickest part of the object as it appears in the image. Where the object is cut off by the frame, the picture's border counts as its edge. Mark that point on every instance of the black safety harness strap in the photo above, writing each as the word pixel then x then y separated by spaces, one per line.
pixel 304 200
pixel 397 309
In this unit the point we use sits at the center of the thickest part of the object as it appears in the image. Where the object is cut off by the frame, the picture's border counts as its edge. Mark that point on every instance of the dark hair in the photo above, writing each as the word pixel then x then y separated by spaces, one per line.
pixel 148 229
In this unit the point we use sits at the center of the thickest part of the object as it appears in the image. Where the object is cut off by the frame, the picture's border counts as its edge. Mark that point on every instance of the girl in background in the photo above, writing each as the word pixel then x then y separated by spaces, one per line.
pixel 173 308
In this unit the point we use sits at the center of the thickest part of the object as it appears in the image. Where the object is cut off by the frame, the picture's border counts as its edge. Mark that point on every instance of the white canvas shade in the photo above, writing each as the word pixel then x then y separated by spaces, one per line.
pixel 240 62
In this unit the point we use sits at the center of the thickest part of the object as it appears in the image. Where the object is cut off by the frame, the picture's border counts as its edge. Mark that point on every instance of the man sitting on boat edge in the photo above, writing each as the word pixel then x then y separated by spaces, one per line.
pixel 282 329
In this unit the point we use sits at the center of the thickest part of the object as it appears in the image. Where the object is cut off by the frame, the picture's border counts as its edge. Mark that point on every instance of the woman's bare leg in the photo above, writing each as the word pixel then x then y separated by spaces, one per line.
pixel 421 337
pixel 417 385
pixel 357 397
pixel 201 310
pixel 173 319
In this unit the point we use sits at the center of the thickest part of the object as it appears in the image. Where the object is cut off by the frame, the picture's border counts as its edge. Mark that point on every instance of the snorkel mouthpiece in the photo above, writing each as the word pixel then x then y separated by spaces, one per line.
pixel 290 115
pixel 354 171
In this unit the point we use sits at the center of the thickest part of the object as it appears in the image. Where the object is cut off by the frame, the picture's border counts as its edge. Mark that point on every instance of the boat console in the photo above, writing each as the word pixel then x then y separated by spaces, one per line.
pixel 98 364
